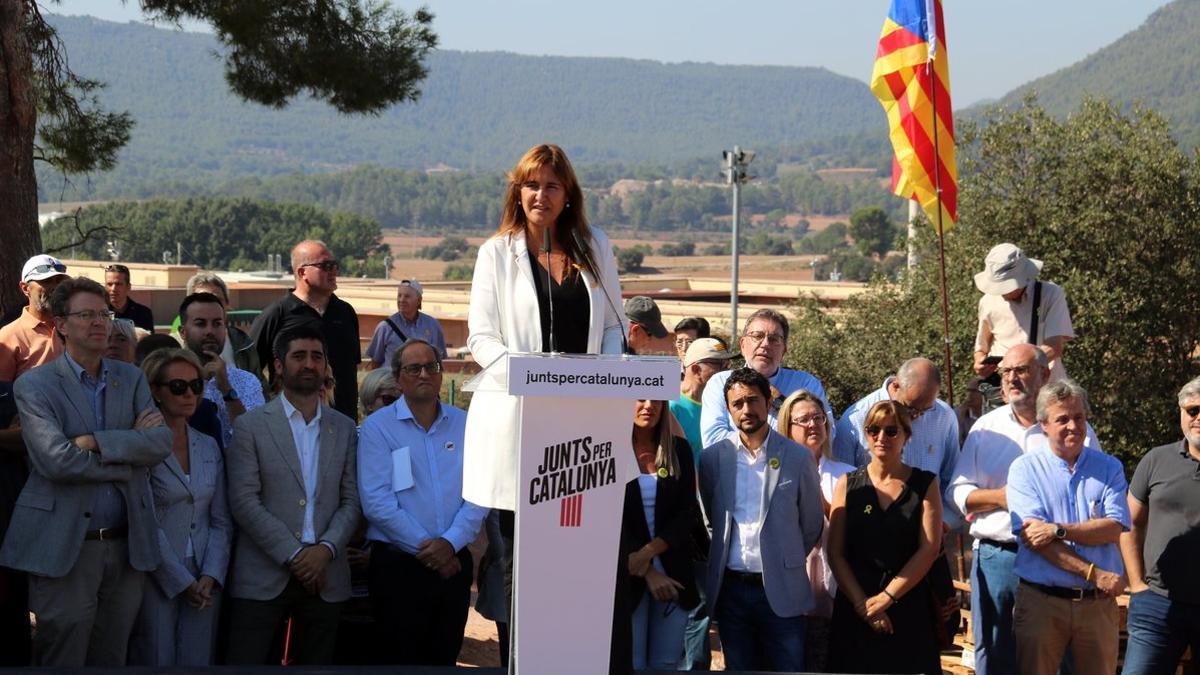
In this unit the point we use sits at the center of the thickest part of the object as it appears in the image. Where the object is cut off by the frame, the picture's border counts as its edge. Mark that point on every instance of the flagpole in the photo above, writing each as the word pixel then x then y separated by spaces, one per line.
pixel 937 186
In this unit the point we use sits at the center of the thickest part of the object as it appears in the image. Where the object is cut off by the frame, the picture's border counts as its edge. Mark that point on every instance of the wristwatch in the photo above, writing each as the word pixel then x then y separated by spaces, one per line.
pixel 1060 532
pixel 230 395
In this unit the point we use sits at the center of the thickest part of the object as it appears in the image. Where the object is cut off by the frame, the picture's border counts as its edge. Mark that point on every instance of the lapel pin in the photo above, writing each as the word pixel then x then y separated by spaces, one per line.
pixel 867 509
pixel 774 463
pixel 662 472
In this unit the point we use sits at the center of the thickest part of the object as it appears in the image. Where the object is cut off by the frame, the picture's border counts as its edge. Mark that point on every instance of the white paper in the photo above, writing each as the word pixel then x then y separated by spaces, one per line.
pixel 402 477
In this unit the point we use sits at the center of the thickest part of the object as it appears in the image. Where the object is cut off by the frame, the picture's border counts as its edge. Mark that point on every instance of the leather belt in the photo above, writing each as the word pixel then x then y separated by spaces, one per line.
pixel 1010 546
pixel 1075 594
pixel 751 578
pixel 107 533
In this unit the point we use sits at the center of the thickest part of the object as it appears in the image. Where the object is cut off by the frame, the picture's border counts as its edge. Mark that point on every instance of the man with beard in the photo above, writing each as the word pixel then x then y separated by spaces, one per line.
pixel 762 498
pixel 293 493
pixel 978 490
pixel 30 341
pixel 203 329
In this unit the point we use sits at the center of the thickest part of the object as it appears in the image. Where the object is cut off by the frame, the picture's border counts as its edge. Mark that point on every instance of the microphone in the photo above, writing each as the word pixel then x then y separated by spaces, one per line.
pixel 549 286
pixel 624 338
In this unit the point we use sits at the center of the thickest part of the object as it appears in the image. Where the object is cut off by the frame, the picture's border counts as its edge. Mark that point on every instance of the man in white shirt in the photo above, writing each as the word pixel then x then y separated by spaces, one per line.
pixel 762 497
pixel 978 490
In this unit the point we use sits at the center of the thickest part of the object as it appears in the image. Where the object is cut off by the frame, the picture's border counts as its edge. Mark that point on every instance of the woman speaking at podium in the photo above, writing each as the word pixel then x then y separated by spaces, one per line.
pixel 544 282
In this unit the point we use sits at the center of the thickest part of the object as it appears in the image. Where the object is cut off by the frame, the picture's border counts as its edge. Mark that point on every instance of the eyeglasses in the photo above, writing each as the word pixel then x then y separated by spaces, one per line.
pixel 414 369
pixel 387 399
pixel 773 339
pixel 324 265
pixel 1019 371
pixel 90 315
pixel 891 431
pixel 42 269
pixel 683 341
pixel 1192 410
pixel 178 387
pixel 809 420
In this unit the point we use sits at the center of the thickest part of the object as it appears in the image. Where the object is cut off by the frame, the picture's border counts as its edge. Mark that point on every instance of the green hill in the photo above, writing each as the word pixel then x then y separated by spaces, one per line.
pixel 1157 65
pixel 479 111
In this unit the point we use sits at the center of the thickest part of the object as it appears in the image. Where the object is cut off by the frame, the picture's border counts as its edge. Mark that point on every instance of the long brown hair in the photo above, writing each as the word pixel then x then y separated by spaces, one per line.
pixel 574 235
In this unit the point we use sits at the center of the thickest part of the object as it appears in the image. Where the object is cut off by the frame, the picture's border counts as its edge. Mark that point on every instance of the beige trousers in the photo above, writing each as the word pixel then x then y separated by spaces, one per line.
pixel 1044 625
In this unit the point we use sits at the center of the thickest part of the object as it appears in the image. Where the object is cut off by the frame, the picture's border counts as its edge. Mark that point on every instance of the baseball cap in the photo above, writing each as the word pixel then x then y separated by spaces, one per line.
pixel 413 284
pixel 706 349
pixel 644 310
pixel 41 267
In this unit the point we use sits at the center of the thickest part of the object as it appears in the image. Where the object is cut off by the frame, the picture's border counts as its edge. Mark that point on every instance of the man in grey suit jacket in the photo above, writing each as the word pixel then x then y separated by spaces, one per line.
pixel 763 500
pixel 84 526
pixel 293 492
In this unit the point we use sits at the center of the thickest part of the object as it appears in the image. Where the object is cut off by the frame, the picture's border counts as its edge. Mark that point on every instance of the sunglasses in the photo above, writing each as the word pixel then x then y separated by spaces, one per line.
pixel 178 387
pixel 42 269
pixel 1191 410
pixel 413 370
pixel 891 431
pixel 325 265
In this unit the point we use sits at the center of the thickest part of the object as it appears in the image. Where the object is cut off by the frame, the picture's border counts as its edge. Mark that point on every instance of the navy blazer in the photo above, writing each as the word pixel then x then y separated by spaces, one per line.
pixel 676 514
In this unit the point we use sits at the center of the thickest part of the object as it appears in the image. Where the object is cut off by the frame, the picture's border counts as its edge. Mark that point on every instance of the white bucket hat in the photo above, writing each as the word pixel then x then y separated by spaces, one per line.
pixel 1006 269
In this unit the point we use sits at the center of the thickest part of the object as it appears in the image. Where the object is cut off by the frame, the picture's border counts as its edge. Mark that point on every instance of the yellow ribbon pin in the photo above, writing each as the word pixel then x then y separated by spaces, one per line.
pixel 867 509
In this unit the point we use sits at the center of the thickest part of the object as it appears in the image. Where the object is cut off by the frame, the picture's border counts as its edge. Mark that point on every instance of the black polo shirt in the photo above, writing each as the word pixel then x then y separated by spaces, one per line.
pixel 139 314
pixel 339 325
pixel 1167 480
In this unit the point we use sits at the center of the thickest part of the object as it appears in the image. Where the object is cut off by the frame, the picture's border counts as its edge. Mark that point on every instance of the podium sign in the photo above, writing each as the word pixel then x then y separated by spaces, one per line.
pixel 576 457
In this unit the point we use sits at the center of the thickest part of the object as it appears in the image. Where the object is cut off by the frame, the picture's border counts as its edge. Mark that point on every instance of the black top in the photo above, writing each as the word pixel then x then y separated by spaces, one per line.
pixel 339 325
pixel 878 543
pixel 572 310
pixel 676 513
pixel 1167 481
pixel 139 314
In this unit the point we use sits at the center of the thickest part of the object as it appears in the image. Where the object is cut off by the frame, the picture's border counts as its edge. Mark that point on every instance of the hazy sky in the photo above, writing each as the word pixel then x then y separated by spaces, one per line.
pixel 994 46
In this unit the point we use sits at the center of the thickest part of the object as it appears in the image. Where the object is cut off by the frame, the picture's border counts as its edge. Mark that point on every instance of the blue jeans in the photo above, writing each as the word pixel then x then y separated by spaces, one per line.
pixel 657 634
pixel 994 587
pixel 753 637
pixel 696 652
pixel 1159 630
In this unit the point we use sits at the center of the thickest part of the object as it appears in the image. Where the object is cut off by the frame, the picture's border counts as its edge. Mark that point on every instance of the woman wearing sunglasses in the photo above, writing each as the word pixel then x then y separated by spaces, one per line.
pixel 885 531
pixel 179 608
pixel 802 418
pixel 660 515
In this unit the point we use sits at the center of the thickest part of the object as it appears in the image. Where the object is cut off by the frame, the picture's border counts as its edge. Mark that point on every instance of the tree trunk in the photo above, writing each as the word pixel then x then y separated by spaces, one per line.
pixel 20 237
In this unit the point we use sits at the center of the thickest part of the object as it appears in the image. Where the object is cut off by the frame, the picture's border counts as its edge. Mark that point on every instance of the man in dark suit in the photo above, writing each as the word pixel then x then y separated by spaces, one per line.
pixel 84 527
pixel 762 498
pixel 293 492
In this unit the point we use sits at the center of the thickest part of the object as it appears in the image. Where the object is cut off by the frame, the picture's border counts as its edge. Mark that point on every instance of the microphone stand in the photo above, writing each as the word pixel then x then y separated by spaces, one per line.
pixel 549 286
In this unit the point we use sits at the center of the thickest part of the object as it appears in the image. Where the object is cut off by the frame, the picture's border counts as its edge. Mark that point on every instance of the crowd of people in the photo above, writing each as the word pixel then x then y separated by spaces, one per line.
pixel 211 496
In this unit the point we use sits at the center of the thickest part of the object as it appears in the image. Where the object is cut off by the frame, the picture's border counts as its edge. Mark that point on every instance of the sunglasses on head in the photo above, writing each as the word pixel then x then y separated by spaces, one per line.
pixel 42 269
pixel 324 265
pixel 1192 410
pixel 891 431
pixel 178 387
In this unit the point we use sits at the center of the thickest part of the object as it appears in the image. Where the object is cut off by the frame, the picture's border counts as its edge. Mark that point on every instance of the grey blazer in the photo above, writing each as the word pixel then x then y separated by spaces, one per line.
pixel 266 498
pixel 194 506
pixel 793 519
pixel 54 509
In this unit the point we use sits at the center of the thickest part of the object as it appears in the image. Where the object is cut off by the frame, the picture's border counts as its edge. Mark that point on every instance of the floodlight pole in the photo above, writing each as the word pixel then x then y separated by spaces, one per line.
pixel 735 175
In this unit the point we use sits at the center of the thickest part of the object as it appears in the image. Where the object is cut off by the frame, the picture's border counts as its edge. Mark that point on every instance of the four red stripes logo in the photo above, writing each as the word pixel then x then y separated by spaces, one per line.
pixel 571 511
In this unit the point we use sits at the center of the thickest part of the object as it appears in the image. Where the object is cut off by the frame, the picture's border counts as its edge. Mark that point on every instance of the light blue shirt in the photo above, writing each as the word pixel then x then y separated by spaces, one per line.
pixel 249 392
pixel 715 423
pixel 385 342
pixel 1041 486
pixel 933 446
pixel 432 506
pixel 109 508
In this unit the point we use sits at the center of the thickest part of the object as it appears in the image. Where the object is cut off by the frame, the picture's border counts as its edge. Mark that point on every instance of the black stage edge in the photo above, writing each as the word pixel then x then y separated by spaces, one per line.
pixel 313 670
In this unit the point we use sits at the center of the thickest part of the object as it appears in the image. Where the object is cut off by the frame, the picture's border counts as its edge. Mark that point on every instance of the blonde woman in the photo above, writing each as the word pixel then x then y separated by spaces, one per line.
pixel 803 419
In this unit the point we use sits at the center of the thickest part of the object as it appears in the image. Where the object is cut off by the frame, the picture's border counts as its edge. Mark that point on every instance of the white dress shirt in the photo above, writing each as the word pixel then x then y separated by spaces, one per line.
pixel 993 443
pixel 307 436
pixel 745 554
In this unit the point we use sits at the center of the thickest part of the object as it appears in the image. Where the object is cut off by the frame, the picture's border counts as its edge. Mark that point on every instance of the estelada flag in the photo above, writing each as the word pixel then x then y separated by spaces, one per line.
pixel 912 71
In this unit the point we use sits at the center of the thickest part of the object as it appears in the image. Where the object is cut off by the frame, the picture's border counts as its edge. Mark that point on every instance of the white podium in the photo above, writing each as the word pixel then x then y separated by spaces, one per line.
pixel 576 457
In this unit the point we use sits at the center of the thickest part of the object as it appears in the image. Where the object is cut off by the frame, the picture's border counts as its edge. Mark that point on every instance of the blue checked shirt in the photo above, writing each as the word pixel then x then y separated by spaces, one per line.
pixel 1041 486
pixel 933 446
pixel 715 423
pixel 432 506
pixel 249 392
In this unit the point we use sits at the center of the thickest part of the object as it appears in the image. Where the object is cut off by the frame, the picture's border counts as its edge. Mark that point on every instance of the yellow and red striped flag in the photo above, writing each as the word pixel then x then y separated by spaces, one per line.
pixel 913 40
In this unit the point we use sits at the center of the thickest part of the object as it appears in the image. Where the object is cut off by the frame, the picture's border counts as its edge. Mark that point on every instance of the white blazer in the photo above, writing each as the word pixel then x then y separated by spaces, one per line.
pixel 503 317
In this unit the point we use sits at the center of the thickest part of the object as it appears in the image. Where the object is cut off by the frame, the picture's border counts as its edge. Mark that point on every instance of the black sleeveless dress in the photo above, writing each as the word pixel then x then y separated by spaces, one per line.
pixel 879 542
